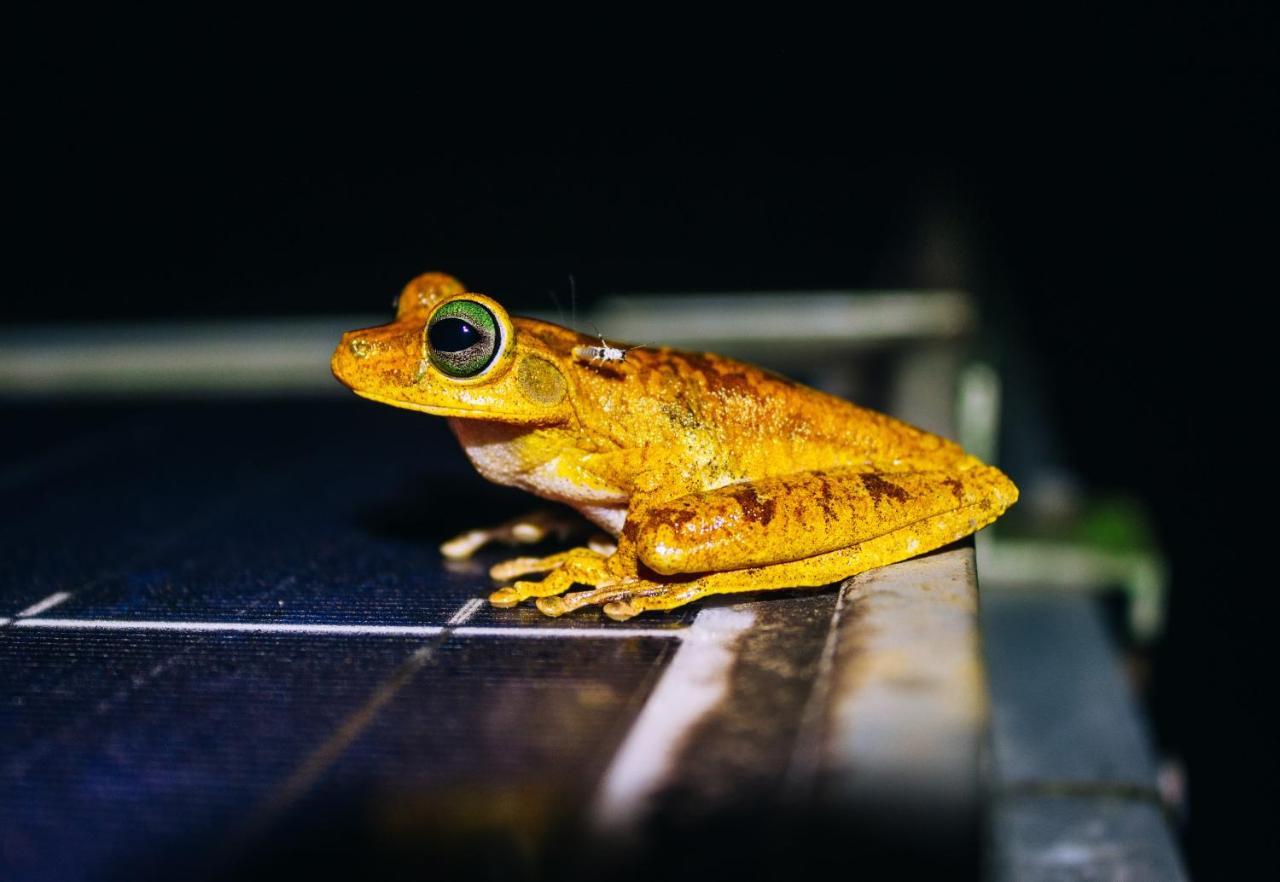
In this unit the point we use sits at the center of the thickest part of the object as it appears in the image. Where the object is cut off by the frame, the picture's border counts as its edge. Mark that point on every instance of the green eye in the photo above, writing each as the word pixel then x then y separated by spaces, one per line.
pixel 462 338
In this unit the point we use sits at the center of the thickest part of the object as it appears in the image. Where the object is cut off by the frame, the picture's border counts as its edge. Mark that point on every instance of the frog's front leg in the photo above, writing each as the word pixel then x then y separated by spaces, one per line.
pixel 600 565
pixel 802 530
pixel 528 529
pixel 582 566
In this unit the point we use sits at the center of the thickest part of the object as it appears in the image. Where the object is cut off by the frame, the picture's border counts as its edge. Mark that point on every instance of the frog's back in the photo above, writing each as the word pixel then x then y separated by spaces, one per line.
pixel 656 394
pixel 810 427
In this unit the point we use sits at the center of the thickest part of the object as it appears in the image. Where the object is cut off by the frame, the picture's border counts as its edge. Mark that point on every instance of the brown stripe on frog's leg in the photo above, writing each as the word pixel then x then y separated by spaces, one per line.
pixel 775 520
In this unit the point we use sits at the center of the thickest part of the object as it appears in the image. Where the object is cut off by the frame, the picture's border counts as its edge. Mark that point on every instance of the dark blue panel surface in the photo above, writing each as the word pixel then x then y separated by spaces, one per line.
pixel 320 513
pixel 118 744
pixel 129 753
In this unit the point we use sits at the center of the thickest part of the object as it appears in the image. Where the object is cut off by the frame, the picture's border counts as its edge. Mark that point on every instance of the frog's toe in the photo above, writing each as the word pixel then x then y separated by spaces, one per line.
pixel 620 610
pixel 583 561
pixel 552 606
pixel 525 530
pixel 622 602
pixel 505 598
pixel 597 596
pixel 516 567
pixel 464 545
pixel 556 583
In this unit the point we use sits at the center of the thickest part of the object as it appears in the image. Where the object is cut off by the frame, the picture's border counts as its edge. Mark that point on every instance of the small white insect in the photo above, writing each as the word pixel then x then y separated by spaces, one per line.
pixel 604 353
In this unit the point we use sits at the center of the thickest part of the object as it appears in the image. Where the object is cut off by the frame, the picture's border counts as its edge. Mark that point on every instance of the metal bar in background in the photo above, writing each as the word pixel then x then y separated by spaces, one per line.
pixel 792 323
pixel 244 357
pixel 291 356
pixel 1073 783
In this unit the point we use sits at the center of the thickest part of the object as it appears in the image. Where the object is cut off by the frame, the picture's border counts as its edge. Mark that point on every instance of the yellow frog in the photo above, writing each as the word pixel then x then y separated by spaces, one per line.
pixel 713 476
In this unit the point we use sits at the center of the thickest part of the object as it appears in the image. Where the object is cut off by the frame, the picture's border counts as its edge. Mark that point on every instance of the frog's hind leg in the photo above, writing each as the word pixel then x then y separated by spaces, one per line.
pixel 525 530
pixel 885 519
pixel 803 515
pixel 624 600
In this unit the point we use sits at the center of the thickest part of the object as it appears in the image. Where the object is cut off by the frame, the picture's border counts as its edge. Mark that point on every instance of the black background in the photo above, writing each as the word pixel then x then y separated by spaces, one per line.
pixel 1107 189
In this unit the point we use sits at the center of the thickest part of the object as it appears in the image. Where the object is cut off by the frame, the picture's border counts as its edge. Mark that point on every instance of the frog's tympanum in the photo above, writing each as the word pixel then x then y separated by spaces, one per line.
pixel 712 476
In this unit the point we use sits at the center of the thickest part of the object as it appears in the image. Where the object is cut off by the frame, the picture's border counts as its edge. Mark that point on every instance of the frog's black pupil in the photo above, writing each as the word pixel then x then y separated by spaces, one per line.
pixel 452 335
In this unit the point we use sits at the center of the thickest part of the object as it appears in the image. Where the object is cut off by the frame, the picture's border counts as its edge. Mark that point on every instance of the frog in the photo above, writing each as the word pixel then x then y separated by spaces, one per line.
pixel 705 474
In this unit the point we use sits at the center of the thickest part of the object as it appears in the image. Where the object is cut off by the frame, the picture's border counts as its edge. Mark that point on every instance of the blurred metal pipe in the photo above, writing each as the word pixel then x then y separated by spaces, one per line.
pixel 257 356
pixel 291 356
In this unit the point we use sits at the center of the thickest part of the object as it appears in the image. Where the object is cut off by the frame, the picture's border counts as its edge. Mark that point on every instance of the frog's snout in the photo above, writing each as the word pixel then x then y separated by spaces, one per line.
pixel 371 356
pixel 354 346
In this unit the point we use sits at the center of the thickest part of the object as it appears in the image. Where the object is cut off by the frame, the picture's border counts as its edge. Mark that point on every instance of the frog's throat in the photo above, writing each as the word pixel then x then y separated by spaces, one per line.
pixel 442 410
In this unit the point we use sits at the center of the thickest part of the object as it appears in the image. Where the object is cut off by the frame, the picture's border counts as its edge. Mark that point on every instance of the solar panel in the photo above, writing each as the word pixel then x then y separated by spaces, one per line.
pixel 221 614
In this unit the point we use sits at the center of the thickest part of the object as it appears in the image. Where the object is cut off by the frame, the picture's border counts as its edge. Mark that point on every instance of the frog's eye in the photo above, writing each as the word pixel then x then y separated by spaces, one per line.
pixel 462 338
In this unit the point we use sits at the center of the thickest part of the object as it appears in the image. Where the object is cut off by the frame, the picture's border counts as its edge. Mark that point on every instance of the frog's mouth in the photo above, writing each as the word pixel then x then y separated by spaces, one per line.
pixel 441 409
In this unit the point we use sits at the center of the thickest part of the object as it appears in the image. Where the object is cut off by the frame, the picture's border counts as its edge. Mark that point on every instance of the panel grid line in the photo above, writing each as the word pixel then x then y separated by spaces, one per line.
pixel 44 605
pixel 337 630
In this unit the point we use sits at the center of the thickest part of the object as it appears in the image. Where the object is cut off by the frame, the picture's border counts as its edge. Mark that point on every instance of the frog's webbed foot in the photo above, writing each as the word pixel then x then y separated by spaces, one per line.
pixel 627 599
pixel 526 530
pixel 584 566
pixel 613 581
